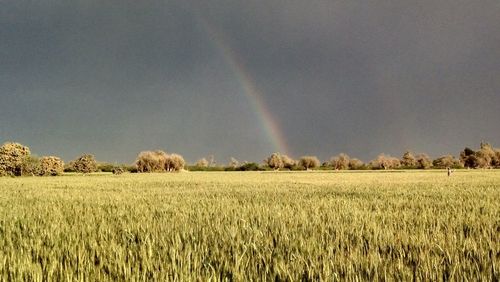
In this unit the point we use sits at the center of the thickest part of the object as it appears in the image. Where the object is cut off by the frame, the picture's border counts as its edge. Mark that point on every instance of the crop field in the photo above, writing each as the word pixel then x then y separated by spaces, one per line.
pixel 252 226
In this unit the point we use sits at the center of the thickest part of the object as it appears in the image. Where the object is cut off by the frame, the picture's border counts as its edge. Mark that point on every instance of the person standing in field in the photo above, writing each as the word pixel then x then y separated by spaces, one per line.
pixel 449 171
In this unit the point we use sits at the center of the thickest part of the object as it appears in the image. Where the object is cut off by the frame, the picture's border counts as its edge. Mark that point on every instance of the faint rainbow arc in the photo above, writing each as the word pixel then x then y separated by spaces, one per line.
pixel 252 94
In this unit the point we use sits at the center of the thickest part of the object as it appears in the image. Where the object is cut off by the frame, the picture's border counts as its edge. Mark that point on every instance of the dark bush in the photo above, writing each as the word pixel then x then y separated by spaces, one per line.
pixel 118 170
pixel 105 167
pixel 249 167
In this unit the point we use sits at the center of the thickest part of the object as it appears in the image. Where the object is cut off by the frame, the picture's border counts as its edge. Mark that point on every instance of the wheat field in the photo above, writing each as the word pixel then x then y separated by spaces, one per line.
pixel 242 226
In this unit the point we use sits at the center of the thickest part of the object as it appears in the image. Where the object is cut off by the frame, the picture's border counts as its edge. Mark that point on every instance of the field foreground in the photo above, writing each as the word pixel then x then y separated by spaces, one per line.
pixel 252 226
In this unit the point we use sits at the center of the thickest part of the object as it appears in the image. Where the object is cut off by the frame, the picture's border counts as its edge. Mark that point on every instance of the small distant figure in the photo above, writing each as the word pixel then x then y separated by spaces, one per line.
pixel 449 171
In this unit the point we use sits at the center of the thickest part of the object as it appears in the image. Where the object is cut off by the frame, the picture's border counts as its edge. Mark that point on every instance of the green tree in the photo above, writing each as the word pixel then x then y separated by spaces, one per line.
pixel 12 156
pixel 485 155
pixel 423 161
pixel 175 163
pixel 309 162
pixel 275 161
pixel 340 162
pixel 151 161
pixel 233 163
pixel 201 163
pixel 447 161
pixel 385 162
pixel 86 163
pixel 288 162
pixel 51 166
pixel 408 160
pixel 355 164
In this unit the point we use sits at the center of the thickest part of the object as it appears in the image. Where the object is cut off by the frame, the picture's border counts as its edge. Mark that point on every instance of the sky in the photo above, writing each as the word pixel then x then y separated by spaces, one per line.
pixel 245 79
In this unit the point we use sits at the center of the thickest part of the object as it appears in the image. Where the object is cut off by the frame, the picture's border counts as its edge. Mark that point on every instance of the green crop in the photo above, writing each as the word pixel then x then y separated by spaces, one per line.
pixel 252 226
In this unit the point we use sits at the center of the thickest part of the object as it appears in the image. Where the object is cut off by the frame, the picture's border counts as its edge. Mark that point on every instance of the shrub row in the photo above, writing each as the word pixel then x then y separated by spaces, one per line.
pixel 16 160
pixel 486 157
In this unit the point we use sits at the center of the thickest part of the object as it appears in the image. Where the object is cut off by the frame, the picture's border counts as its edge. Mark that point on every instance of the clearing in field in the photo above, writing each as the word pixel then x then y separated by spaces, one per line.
pixel 244 226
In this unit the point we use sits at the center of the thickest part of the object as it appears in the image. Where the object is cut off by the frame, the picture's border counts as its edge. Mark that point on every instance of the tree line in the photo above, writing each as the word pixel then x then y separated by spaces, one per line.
pixel 17 160
pixel 485 157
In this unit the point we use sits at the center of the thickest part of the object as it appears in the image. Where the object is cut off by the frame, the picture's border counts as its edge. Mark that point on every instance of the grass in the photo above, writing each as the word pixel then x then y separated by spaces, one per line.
pixel 252 226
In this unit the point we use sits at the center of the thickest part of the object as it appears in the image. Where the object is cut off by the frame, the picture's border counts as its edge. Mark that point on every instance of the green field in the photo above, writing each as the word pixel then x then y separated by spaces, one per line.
pixel 252 226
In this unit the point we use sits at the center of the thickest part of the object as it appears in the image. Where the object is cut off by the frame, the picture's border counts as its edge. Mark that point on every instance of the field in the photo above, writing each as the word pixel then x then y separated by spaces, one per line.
pixel 252 226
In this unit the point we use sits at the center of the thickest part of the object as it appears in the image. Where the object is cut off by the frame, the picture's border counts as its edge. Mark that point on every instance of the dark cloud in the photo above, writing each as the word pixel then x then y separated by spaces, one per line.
pixel 360 77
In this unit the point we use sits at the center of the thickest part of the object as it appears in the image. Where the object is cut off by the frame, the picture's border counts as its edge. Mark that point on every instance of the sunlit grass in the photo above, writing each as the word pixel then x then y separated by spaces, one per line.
pixel 252 225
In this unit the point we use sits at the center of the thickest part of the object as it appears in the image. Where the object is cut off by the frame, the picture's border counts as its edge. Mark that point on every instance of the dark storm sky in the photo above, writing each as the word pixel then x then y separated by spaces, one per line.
pixel 361 77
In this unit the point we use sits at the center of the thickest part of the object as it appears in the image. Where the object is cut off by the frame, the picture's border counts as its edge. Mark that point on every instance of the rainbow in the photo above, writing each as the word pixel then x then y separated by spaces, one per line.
pixel 249 87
